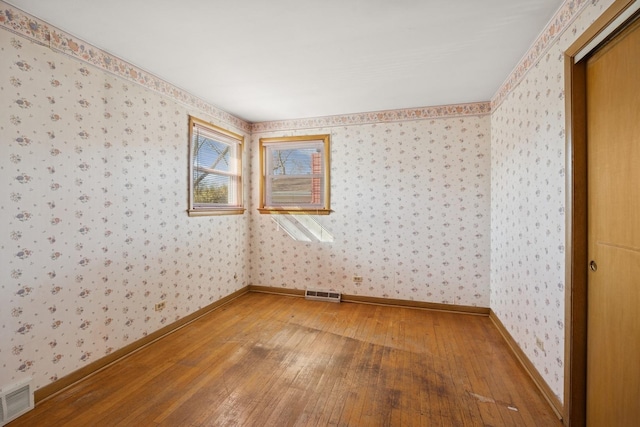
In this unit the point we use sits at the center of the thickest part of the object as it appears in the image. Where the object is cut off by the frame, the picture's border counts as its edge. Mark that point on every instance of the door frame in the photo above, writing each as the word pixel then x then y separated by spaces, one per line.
pixel 575 360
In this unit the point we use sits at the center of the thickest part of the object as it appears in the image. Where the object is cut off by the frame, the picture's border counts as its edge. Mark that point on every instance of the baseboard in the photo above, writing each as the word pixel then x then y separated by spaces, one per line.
pixel 463 309
pixel 277 291
pixel 76 376
pixel 542 385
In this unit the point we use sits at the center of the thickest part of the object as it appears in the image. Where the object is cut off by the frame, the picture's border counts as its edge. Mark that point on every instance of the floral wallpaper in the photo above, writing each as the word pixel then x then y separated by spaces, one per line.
pixel 528 202
pixel 93 205
pixel 410 205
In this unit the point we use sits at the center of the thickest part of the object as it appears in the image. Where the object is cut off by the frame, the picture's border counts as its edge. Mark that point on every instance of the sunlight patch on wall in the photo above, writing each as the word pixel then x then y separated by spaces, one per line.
pixel 303 228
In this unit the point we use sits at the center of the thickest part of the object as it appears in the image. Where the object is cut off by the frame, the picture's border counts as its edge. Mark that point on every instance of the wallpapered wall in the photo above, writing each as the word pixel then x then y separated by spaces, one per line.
pixel 93 197
pixel 528 205
pixel 93 206
pixel 410 205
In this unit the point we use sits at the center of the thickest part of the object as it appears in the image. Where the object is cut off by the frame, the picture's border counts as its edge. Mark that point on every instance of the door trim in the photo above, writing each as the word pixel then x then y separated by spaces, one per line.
pixel 575 360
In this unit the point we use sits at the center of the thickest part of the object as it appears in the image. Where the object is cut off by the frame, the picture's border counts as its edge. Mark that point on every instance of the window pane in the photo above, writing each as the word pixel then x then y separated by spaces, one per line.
pixel 211 189
pixel 212 154
pixel 296 161
pixel 291 191
pixel 296 191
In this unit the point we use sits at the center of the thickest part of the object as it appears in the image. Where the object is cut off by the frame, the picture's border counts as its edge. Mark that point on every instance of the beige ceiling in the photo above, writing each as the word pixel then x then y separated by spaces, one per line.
pixel 267 60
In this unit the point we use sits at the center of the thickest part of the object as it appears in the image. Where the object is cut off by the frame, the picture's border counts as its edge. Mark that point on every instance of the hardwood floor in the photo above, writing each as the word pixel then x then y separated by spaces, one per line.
pixel 272 360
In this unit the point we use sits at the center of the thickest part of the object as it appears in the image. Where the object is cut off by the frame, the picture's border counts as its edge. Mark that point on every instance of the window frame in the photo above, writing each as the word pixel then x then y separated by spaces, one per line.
pixel 228 138
pixel 300 142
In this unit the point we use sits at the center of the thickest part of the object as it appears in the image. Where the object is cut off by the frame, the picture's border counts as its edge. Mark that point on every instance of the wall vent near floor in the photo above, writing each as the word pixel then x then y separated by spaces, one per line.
pixel 322 295
pixel 15 400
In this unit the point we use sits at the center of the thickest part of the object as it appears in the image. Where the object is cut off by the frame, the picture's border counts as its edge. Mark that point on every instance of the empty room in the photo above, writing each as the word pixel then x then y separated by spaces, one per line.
pixel 316 213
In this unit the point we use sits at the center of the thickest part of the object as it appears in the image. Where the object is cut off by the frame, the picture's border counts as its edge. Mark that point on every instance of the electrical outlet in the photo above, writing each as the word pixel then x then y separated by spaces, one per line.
pixel 540 343
pixel 160 306
pixel 357 279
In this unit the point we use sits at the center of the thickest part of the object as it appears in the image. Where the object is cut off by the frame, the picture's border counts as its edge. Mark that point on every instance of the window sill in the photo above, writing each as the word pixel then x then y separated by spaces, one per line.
pixel 215 212
pixel 293 211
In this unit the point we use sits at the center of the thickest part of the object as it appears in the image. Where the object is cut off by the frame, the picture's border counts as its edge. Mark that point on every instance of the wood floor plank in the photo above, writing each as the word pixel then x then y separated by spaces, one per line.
pixel 424 368
pixel 396 390
pixel 335 345
pixel 274 360
pixel 483 389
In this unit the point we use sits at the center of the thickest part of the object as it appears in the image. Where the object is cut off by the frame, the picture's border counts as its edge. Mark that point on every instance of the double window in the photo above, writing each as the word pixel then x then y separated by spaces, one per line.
pixel 215 170
pixel 295 174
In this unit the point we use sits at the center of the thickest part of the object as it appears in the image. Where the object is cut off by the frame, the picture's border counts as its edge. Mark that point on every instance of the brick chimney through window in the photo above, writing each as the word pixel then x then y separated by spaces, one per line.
pixel 316 169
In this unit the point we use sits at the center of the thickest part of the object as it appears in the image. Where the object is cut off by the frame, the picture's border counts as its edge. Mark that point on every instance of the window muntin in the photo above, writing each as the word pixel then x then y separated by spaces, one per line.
pixel 295 174
pixel 215 170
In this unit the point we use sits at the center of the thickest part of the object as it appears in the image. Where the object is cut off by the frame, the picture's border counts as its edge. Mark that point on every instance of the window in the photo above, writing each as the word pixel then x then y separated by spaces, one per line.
pixel 215 172
pixel 295 174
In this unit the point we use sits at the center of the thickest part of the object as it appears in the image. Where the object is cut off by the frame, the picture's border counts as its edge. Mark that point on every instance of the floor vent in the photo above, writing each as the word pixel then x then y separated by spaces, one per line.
pixel 322 295
pixel 15 400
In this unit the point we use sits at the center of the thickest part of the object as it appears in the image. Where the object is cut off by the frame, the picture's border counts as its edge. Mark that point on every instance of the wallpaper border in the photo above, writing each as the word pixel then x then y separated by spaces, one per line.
pixel 562 19
pixel 385 116
pixel 38 31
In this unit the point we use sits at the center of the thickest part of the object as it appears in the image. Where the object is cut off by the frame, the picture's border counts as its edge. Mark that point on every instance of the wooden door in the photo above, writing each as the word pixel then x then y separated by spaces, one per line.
pixel 613 153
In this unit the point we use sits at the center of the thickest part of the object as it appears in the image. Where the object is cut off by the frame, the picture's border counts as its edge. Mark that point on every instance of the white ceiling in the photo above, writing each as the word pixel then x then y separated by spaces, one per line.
pixel 264 60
